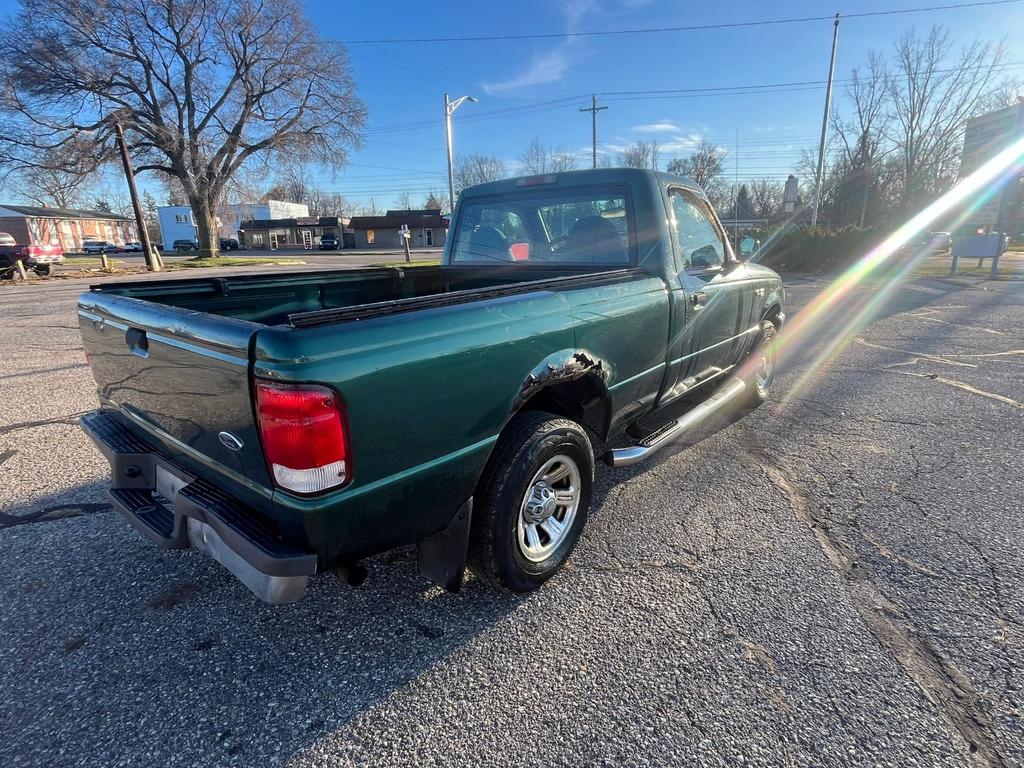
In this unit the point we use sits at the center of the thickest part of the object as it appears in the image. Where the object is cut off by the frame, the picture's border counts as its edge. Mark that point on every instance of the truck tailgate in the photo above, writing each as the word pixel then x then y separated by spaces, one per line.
pixel 178 373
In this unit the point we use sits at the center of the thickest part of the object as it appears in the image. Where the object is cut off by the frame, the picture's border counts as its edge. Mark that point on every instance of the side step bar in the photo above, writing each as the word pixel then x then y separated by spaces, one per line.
pixel 727 393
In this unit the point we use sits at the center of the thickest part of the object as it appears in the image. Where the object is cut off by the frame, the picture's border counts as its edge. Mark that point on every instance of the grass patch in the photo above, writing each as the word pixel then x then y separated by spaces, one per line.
pixel 89 261
pixel 1011 267
pixel 417 263
pixel 228 262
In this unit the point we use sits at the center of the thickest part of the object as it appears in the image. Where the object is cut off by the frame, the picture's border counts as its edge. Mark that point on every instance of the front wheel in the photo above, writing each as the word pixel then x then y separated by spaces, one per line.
pixel 532 502
pixel 764 360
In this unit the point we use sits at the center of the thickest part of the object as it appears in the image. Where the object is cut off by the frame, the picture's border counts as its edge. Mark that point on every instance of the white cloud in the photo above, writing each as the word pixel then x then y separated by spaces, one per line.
pixel 678 144
pixel 551 65
pixel 662 126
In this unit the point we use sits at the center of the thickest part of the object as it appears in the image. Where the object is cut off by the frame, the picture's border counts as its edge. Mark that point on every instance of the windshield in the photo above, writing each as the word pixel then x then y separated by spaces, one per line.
pixel 557 226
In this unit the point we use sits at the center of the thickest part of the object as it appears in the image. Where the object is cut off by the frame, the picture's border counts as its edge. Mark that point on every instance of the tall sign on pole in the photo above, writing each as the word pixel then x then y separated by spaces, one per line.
pixel 593 109
pixel 824 125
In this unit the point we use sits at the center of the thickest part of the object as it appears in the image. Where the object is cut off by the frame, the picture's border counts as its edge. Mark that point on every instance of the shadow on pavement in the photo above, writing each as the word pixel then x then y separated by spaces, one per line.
pixel 114 648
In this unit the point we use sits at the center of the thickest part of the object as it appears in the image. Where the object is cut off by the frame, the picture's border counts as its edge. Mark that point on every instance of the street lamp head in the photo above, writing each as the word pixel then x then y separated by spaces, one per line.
pixel 472 99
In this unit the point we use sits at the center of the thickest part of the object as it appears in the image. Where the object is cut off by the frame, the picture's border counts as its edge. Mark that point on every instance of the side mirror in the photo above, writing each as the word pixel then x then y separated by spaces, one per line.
pixel 748 245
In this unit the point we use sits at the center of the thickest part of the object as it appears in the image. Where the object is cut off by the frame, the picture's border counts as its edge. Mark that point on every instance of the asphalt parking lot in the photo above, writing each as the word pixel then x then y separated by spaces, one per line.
pixel 833 579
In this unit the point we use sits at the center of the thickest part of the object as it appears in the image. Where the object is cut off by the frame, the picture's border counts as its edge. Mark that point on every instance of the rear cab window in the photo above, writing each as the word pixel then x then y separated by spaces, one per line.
pixel 571 227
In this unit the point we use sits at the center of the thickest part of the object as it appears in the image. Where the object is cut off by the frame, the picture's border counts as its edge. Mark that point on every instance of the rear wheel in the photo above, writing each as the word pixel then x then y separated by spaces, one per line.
pixel 532 503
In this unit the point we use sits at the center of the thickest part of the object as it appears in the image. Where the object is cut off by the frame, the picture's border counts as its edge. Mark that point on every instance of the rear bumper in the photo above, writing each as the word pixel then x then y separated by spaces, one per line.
pixel 176 510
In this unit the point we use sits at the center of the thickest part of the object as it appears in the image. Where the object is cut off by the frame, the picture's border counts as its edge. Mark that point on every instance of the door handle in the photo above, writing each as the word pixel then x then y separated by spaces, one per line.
pixel 698 298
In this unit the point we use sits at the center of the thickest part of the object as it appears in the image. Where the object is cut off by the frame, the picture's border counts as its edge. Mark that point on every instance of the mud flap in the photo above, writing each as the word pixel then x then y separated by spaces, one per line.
pixel 442 555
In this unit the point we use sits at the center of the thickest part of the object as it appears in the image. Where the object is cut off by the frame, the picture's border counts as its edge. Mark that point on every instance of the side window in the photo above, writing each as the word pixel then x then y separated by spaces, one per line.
pixel 700 244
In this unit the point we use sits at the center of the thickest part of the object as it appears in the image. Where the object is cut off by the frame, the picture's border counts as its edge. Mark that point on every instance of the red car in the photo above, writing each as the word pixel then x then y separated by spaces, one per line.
pixel 35 256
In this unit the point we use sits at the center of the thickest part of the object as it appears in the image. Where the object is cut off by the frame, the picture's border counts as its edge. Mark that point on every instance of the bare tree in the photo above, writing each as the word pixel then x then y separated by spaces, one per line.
pixel 404 201
pixel 477 169
pixel 201 88
pixel 860 167
pixel 436 201
pixel 933 92
pixel 643 154
pixel 58 187
pixel 539 159
pixel 704 165
pixel 766 197
pixel 323 203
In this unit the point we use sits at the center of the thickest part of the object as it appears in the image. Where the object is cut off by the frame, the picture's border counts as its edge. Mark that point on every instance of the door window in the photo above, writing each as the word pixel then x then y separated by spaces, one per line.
pixel 699 239
pixel 429 233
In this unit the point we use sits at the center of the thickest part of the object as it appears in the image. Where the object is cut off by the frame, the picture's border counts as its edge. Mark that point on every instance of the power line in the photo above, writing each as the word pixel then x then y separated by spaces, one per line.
pixel 670 93
pixel 658 30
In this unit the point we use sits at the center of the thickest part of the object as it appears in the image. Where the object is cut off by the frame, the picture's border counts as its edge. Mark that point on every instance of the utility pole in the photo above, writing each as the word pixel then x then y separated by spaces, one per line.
pixel 449 108
pixel 824 125
pixel 151 262
pixel 593 109
pixel 736 196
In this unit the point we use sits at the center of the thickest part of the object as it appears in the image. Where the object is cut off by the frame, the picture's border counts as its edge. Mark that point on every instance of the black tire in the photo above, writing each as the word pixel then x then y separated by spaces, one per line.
pixel 530 442
pixel 765 352
pixel 42 269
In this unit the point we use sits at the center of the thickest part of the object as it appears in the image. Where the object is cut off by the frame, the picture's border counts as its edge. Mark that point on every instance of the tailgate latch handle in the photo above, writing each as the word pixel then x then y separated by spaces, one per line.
pixel 137 342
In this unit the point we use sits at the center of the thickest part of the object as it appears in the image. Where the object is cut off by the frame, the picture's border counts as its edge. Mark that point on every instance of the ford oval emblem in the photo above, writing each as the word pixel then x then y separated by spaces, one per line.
pixel 230 442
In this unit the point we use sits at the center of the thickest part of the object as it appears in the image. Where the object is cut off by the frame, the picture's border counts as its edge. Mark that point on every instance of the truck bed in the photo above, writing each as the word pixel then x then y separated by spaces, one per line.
pixel 311 298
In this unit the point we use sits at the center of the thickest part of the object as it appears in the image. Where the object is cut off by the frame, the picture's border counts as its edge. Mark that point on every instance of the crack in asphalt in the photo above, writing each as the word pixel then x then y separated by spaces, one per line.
pixel 961 385
pixel 20 425
pixel 942 683
pixel 55 512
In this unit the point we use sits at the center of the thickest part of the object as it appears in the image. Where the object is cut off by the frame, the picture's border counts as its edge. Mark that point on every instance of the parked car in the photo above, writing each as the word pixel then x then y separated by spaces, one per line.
pixel 932 242
pixel 329 243
pixel 38 257
pixel 130 248
pixel 228 244
pixel 569 311
pixel 185 245
pixel 98 247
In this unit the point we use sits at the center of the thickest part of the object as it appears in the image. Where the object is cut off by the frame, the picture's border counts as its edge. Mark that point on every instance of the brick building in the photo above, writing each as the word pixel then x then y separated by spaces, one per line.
pixel 69 227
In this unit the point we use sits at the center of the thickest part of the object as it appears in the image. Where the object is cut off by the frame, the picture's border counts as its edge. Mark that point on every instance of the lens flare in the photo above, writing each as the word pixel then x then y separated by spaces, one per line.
pixel 837 314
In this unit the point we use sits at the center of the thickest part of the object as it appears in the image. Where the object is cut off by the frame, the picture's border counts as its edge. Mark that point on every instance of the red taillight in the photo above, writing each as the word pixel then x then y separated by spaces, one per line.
pixel 305 436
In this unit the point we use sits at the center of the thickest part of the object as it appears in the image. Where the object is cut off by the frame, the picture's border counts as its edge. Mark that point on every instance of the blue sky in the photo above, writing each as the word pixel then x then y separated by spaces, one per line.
pixel 404 83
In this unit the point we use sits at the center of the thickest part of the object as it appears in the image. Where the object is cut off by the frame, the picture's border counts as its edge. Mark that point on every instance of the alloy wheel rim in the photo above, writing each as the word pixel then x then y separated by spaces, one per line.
pixel 549 508
pixel 765 369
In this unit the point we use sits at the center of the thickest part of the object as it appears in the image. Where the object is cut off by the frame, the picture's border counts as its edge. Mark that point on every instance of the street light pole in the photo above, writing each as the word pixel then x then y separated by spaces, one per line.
pixel 824 126
pixel 449 108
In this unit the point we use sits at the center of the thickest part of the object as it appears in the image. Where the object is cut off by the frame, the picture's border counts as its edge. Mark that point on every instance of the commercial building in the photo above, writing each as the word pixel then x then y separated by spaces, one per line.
pixel 296 232
pixel 68 227
pixel 177 222
pixel 998 208
pixel 427 227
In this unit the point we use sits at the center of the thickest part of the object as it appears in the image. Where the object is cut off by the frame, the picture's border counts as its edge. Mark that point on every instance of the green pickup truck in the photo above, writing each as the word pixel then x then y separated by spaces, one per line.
pixel 293 423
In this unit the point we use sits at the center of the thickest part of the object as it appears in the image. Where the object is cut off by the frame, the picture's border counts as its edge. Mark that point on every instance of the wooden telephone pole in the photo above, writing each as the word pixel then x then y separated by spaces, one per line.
pixel 152 260
pixel 593 109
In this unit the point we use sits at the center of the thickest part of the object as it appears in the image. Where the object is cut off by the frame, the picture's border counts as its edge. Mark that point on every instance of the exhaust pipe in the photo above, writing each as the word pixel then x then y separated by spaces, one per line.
pixel 727 393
